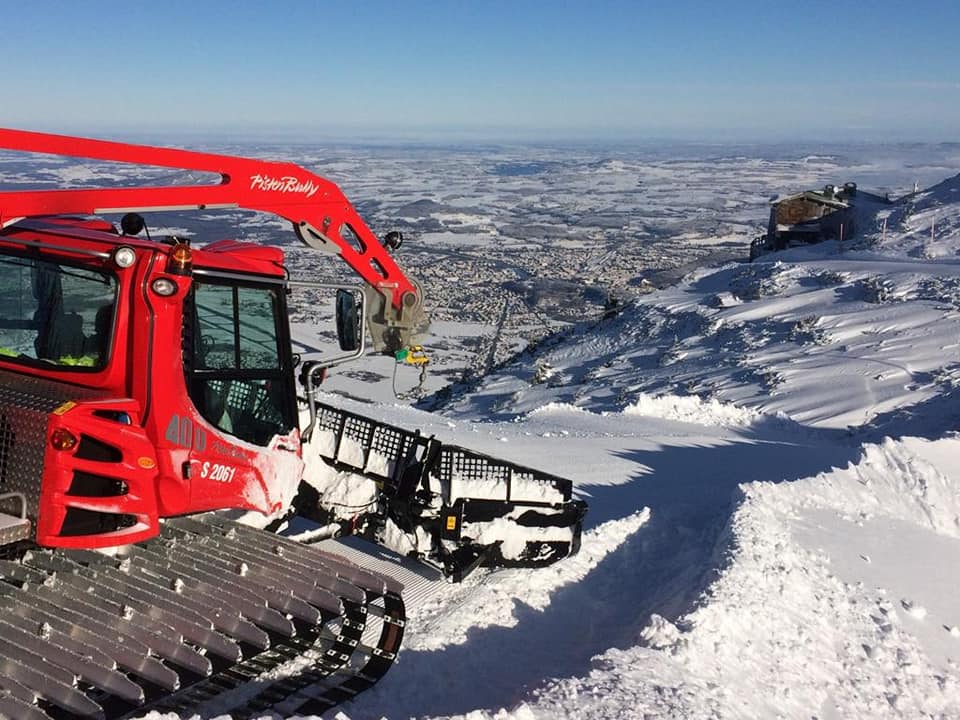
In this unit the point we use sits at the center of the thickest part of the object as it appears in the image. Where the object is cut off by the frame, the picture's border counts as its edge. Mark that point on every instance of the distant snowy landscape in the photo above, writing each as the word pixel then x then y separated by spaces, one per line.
pixel 767 448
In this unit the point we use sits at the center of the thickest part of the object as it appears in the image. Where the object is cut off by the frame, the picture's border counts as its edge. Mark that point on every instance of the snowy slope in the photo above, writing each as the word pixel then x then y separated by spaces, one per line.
pixel 768 451
pixel 832 339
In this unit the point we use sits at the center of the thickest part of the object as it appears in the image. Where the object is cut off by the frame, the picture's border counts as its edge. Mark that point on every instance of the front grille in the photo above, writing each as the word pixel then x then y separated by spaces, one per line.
pixel 92 449
pixel 87 484
pixel 7 439
pixel 25 406
pixel 79 521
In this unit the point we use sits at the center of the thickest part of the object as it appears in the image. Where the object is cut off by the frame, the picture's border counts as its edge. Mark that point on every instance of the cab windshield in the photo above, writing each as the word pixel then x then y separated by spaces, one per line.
pixel 55 312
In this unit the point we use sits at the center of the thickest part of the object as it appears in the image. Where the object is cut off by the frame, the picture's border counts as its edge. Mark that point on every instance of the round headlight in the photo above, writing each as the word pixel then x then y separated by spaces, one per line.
pixel 124 256
pixel 164 286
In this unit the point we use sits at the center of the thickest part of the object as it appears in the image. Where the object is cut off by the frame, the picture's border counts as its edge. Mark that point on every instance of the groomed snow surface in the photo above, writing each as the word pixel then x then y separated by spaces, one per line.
pixel 770 456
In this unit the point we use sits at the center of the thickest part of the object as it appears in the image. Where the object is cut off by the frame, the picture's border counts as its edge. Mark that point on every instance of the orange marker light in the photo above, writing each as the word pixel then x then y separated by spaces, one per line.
pixel 180 260
pixel 63 439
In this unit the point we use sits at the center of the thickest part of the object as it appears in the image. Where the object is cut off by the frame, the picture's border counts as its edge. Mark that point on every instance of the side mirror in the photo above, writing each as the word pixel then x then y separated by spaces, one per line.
pixel 349 321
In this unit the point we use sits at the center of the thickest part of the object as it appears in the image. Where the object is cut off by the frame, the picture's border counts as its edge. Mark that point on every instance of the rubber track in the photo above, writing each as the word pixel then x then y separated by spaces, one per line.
pixel 210 606
pixel 308 692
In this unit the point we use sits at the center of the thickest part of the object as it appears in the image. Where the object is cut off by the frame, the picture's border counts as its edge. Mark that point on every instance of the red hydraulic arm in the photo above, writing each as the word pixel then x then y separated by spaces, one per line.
pixel 322 216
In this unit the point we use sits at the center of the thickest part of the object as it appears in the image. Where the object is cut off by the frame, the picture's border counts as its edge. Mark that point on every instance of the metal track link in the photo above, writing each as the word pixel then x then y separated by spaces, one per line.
pixel 190 622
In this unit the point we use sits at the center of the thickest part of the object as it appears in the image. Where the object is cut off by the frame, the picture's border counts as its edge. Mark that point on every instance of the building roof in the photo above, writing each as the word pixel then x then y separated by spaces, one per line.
pixel 813 196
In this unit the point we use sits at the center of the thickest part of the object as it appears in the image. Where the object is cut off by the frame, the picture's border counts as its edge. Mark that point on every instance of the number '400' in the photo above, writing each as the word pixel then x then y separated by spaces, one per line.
pixel 181 431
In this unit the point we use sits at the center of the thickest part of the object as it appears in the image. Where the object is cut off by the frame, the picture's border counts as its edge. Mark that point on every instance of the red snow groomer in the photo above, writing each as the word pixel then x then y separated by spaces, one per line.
pixel 146 383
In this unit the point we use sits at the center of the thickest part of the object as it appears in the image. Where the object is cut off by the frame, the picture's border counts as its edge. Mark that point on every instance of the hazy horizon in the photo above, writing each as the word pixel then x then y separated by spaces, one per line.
pixel 611 70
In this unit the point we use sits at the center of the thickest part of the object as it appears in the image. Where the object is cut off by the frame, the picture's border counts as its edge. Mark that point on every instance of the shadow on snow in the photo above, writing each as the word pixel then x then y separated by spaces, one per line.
pixel 663 568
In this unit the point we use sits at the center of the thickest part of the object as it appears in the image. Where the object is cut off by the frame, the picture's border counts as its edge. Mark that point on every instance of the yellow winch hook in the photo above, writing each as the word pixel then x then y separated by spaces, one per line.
pixel 414 356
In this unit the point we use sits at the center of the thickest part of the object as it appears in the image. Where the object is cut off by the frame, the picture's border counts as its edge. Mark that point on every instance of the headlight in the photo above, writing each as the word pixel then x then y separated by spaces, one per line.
pixel 164 286
pixel 124 256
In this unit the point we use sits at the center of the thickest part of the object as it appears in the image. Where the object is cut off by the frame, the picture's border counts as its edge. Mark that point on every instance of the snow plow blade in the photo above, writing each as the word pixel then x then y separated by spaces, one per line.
pixel 211 617
pixel 476 510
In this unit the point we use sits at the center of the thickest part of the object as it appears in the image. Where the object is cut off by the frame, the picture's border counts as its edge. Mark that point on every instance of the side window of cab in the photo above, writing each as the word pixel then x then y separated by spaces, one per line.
pixel 232 356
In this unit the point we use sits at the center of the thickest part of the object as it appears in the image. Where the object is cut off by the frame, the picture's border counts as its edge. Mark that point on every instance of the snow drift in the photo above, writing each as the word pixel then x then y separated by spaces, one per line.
pixel 768 451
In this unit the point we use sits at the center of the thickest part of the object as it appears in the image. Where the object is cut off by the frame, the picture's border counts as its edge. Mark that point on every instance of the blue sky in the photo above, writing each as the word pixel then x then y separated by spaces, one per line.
pixel 485 69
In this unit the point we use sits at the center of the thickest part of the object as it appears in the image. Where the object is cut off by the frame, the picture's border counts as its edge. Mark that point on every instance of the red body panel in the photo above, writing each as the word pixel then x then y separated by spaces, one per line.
pixel 168 472
pixel 137 470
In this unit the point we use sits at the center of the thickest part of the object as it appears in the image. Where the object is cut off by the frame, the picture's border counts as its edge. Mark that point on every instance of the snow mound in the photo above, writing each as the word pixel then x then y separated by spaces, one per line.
pixel 892 479
pixel 693 409
pixel 552 408
pixel 493 603
pixel 792 622
pixel 659 633
pixel 789 629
